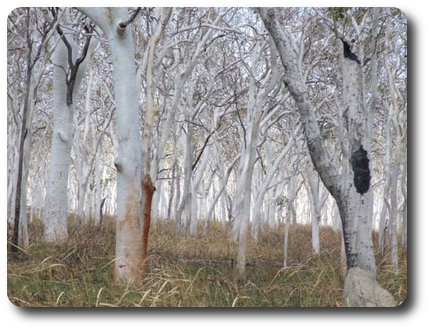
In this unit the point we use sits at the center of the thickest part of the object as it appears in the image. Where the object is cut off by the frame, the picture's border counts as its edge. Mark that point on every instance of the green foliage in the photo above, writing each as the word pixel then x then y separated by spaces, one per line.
pixel 339 13
pixel 281 201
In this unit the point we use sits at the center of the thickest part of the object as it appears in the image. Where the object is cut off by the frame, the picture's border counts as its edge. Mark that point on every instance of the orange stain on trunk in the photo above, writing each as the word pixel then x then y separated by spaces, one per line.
pixel 148 190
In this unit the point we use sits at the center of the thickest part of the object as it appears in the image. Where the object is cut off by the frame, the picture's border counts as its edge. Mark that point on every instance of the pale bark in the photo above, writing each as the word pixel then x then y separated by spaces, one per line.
pixel 175 175
pixel 186 193
pixel 225 174
pixel 315 204
pixel 148 178
pixel 289 204
pixel 285 249
pixel 55 213
pixel 352 206
pixel 196 183
pixel 242 197
pixel 268 178
pixel 405 206
pixel 12 154
pixel 149 114
pixel 128 161
pixel 180 82
pixel 397 155
pixel 394 216
pixel 68 72
pixel 34 85
pixel 98 212
pixel 83 167
pixel 31 83
pixel 387 184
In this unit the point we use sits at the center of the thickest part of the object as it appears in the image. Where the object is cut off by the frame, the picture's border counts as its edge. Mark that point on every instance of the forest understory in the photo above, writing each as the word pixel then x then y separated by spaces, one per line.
pixel 189 270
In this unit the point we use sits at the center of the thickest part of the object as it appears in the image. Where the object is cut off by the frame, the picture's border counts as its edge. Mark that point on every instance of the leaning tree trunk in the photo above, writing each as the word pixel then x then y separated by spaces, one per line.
pixel 20 189
pixel 186 194
pixel 148 181
pixel 349 189
pixel 315 209
pixel 128 252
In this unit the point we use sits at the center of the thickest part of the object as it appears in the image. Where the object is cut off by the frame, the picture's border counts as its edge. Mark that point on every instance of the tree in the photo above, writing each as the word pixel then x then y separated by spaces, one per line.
pixel 352 204
pixel 255 111
pixel 148 181
pixel 396 127
pixel 115 24
pixel 317 196
pixel 69 66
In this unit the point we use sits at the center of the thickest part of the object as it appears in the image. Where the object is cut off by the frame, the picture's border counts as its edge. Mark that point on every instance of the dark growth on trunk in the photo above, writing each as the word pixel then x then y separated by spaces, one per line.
pixel 360 166
pixel 347 53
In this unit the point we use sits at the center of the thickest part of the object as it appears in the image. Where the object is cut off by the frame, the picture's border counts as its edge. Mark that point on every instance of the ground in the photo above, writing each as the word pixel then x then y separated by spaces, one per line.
pixel 187 271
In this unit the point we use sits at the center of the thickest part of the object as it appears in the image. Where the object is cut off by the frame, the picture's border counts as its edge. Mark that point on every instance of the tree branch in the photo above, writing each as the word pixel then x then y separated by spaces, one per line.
pixel 201 151
pixel 123 25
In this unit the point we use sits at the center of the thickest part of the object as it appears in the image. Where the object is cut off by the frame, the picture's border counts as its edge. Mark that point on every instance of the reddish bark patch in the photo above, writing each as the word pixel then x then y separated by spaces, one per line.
pixel 148 190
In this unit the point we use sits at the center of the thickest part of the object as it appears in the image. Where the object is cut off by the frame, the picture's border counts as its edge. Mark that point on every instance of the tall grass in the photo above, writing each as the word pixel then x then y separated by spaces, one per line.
pixel 187 271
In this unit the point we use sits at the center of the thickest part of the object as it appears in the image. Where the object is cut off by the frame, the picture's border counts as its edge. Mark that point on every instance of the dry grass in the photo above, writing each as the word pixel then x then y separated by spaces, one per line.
pixel 187 271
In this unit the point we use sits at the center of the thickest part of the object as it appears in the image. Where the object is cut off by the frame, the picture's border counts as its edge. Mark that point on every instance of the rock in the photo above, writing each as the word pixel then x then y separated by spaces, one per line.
pixel 362 290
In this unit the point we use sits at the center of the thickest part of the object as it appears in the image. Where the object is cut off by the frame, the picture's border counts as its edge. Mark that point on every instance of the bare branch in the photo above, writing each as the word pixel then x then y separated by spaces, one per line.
pixel 123 25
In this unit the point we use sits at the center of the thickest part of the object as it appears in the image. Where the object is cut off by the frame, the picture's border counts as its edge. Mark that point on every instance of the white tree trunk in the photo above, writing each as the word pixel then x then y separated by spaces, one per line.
pixel 55 216
pixel 405 206
pixel 98 198
pixel 314 211
pixel 269 176
pixel 128 161
pixel 224 175
pixel 286 230
pixel 354 206
pixel 387 183
pixel 186 194
pixel 196 183
pixel 180 81
pixel 242 196
pixel 397 156
pixel 86 151
pixel 394 216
